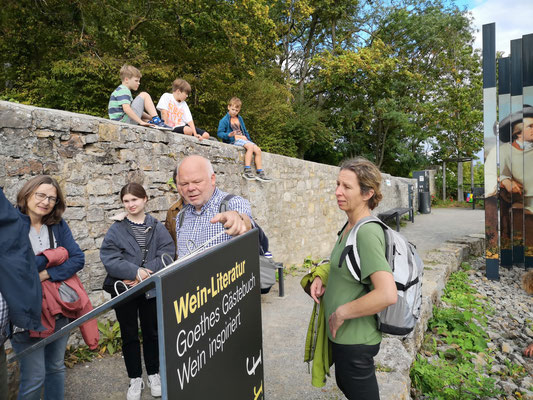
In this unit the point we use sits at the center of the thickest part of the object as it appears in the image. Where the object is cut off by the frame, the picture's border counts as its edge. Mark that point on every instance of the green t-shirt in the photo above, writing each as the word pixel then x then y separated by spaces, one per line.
pixel 343 288
pixel 121 95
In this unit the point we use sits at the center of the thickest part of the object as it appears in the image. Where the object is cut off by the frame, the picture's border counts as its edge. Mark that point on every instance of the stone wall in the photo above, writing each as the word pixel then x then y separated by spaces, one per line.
pixel 92 158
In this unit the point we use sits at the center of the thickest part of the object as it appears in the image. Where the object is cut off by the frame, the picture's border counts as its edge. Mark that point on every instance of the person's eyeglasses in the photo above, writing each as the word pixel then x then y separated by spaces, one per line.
pixel 43 197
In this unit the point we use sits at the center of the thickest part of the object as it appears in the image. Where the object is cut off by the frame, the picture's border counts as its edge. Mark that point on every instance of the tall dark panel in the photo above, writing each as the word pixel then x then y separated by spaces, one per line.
pixel 489 120
pixel 515 159
pixel 504 111
pixel 527 82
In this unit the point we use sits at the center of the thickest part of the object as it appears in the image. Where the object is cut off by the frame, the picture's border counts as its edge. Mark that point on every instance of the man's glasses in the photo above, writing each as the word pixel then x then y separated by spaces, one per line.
pixel 43 197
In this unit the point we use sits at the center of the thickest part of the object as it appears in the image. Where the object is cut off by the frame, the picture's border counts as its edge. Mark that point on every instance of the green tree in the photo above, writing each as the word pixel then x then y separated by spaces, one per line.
pixel 401 96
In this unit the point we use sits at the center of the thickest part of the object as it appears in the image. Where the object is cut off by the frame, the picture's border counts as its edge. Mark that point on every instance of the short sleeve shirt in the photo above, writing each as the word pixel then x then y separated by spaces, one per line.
pixel 121 95
pixel 342 287
pixel 178 111
pixel 196 228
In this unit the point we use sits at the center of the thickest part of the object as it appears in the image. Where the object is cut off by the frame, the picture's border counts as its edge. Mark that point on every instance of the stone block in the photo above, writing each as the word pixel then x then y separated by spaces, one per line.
pixel 443 255
pixel 83 124
pixel 158 177
pixel 50 168
pixel 41 133
pixel 108 132
pixel 51 119
pixel 91 138
pixel 99 297
pixel 14 117
pixel 15 142
pixel 44 148
pixel 75 213
pixel 73 189
pixel 79 229
pixel 159 148
pixel 95 214
pixel 18 167
pixel 100 187
pixel 71 147
pixel 86 243
pixel 394 385
pixel 92 257
pixel 126 155
pixel 96 229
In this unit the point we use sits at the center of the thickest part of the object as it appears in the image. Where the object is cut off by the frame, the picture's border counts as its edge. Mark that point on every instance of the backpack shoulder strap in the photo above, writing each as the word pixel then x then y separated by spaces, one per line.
pixel 51 236
pixel 350 253
pixel 224 203
pixel 181 217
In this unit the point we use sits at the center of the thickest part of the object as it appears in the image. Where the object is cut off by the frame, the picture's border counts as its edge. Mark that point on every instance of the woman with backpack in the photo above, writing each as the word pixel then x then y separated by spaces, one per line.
pixel 350 305
pixel 130 252
pixel 57 259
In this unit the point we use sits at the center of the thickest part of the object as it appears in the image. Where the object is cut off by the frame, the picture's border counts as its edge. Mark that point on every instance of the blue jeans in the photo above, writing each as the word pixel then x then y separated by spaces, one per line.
pixel 44 366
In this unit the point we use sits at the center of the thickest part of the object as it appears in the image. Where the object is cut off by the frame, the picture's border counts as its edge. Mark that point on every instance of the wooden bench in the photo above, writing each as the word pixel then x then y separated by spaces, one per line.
pixel 397 213
pixel 478 194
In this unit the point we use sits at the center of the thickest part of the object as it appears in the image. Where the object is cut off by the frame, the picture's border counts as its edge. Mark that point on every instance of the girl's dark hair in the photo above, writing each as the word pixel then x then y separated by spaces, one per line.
pixel 368 176
pixel 134 189
pixel 30 187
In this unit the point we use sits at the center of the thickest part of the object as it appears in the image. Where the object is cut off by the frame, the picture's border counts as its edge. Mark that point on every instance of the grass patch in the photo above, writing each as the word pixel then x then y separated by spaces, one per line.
pixel 110 342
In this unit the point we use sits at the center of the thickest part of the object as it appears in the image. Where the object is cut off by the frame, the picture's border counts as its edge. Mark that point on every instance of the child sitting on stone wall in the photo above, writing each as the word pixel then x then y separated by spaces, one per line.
pixel 231 129
pixel 176 113
pixel 122 107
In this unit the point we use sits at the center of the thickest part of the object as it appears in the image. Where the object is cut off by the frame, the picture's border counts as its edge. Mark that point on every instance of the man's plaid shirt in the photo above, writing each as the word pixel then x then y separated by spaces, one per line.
pixel 196 228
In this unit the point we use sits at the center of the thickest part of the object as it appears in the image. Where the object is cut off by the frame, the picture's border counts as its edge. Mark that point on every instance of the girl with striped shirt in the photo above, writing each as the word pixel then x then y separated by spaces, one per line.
pixel 131 252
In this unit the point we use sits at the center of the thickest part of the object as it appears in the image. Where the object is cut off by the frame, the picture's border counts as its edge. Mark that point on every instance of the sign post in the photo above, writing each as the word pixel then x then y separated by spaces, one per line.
pixel 209 316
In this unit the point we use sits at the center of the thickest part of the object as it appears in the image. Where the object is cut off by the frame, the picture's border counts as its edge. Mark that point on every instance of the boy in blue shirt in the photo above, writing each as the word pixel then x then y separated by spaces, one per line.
pixel 141 110
pixel 231 129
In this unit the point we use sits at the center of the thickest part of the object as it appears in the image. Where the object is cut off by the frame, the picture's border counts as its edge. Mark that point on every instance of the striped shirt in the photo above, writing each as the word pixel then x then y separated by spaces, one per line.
pixel 121 95
pixel 139 232
pixel 196 228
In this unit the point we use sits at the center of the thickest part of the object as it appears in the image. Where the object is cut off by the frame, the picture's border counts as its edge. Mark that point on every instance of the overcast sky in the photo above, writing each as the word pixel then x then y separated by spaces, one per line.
pixel 513 19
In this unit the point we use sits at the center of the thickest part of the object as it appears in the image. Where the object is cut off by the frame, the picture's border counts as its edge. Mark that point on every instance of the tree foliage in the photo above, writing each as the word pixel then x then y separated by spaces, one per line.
pixel 396 81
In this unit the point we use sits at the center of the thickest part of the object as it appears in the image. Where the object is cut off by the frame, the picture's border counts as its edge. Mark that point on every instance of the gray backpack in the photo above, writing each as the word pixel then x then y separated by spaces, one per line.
pixel 407 268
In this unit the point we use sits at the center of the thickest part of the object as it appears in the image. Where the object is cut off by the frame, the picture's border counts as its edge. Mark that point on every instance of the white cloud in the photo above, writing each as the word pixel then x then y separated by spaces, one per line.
pixel 512 17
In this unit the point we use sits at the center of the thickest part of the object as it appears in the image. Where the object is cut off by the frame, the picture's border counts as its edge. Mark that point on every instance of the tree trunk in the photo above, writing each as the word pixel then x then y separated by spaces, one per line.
pixel 444 180
pixel 460 194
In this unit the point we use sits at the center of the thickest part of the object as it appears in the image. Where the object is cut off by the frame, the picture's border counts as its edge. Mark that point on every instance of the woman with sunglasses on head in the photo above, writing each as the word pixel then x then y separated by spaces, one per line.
pixel 57 257
pixel 130 252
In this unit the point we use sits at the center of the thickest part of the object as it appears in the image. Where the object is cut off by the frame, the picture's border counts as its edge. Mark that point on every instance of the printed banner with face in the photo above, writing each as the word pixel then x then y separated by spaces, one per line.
pixel 504 111
pixel 491 153
pixel 527 142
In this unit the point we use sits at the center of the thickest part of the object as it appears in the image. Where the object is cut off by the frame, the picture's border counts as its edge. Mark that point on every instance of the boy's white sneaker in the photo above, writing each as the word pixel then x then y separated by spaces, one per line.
pixel 135 389
pixel 154 383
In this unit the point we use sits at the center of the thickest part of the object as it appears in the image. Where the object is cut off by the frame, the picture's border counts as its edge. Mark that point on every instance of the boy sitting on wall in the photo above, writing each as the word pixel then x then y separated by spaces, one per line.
pixel 231 129
pixel 176 113
pixel 122 107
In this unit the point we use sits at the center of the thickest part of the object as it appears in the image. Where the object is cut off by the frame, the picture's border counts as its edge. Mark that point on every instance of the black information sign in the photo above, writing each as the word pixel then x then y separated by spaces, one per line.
pixel 210 328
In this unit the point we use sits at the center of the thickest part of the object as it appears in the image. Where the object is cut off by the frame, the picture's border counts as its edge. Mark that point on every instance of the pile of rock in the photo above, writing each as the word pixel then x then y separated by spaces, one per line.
pixel 510 329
